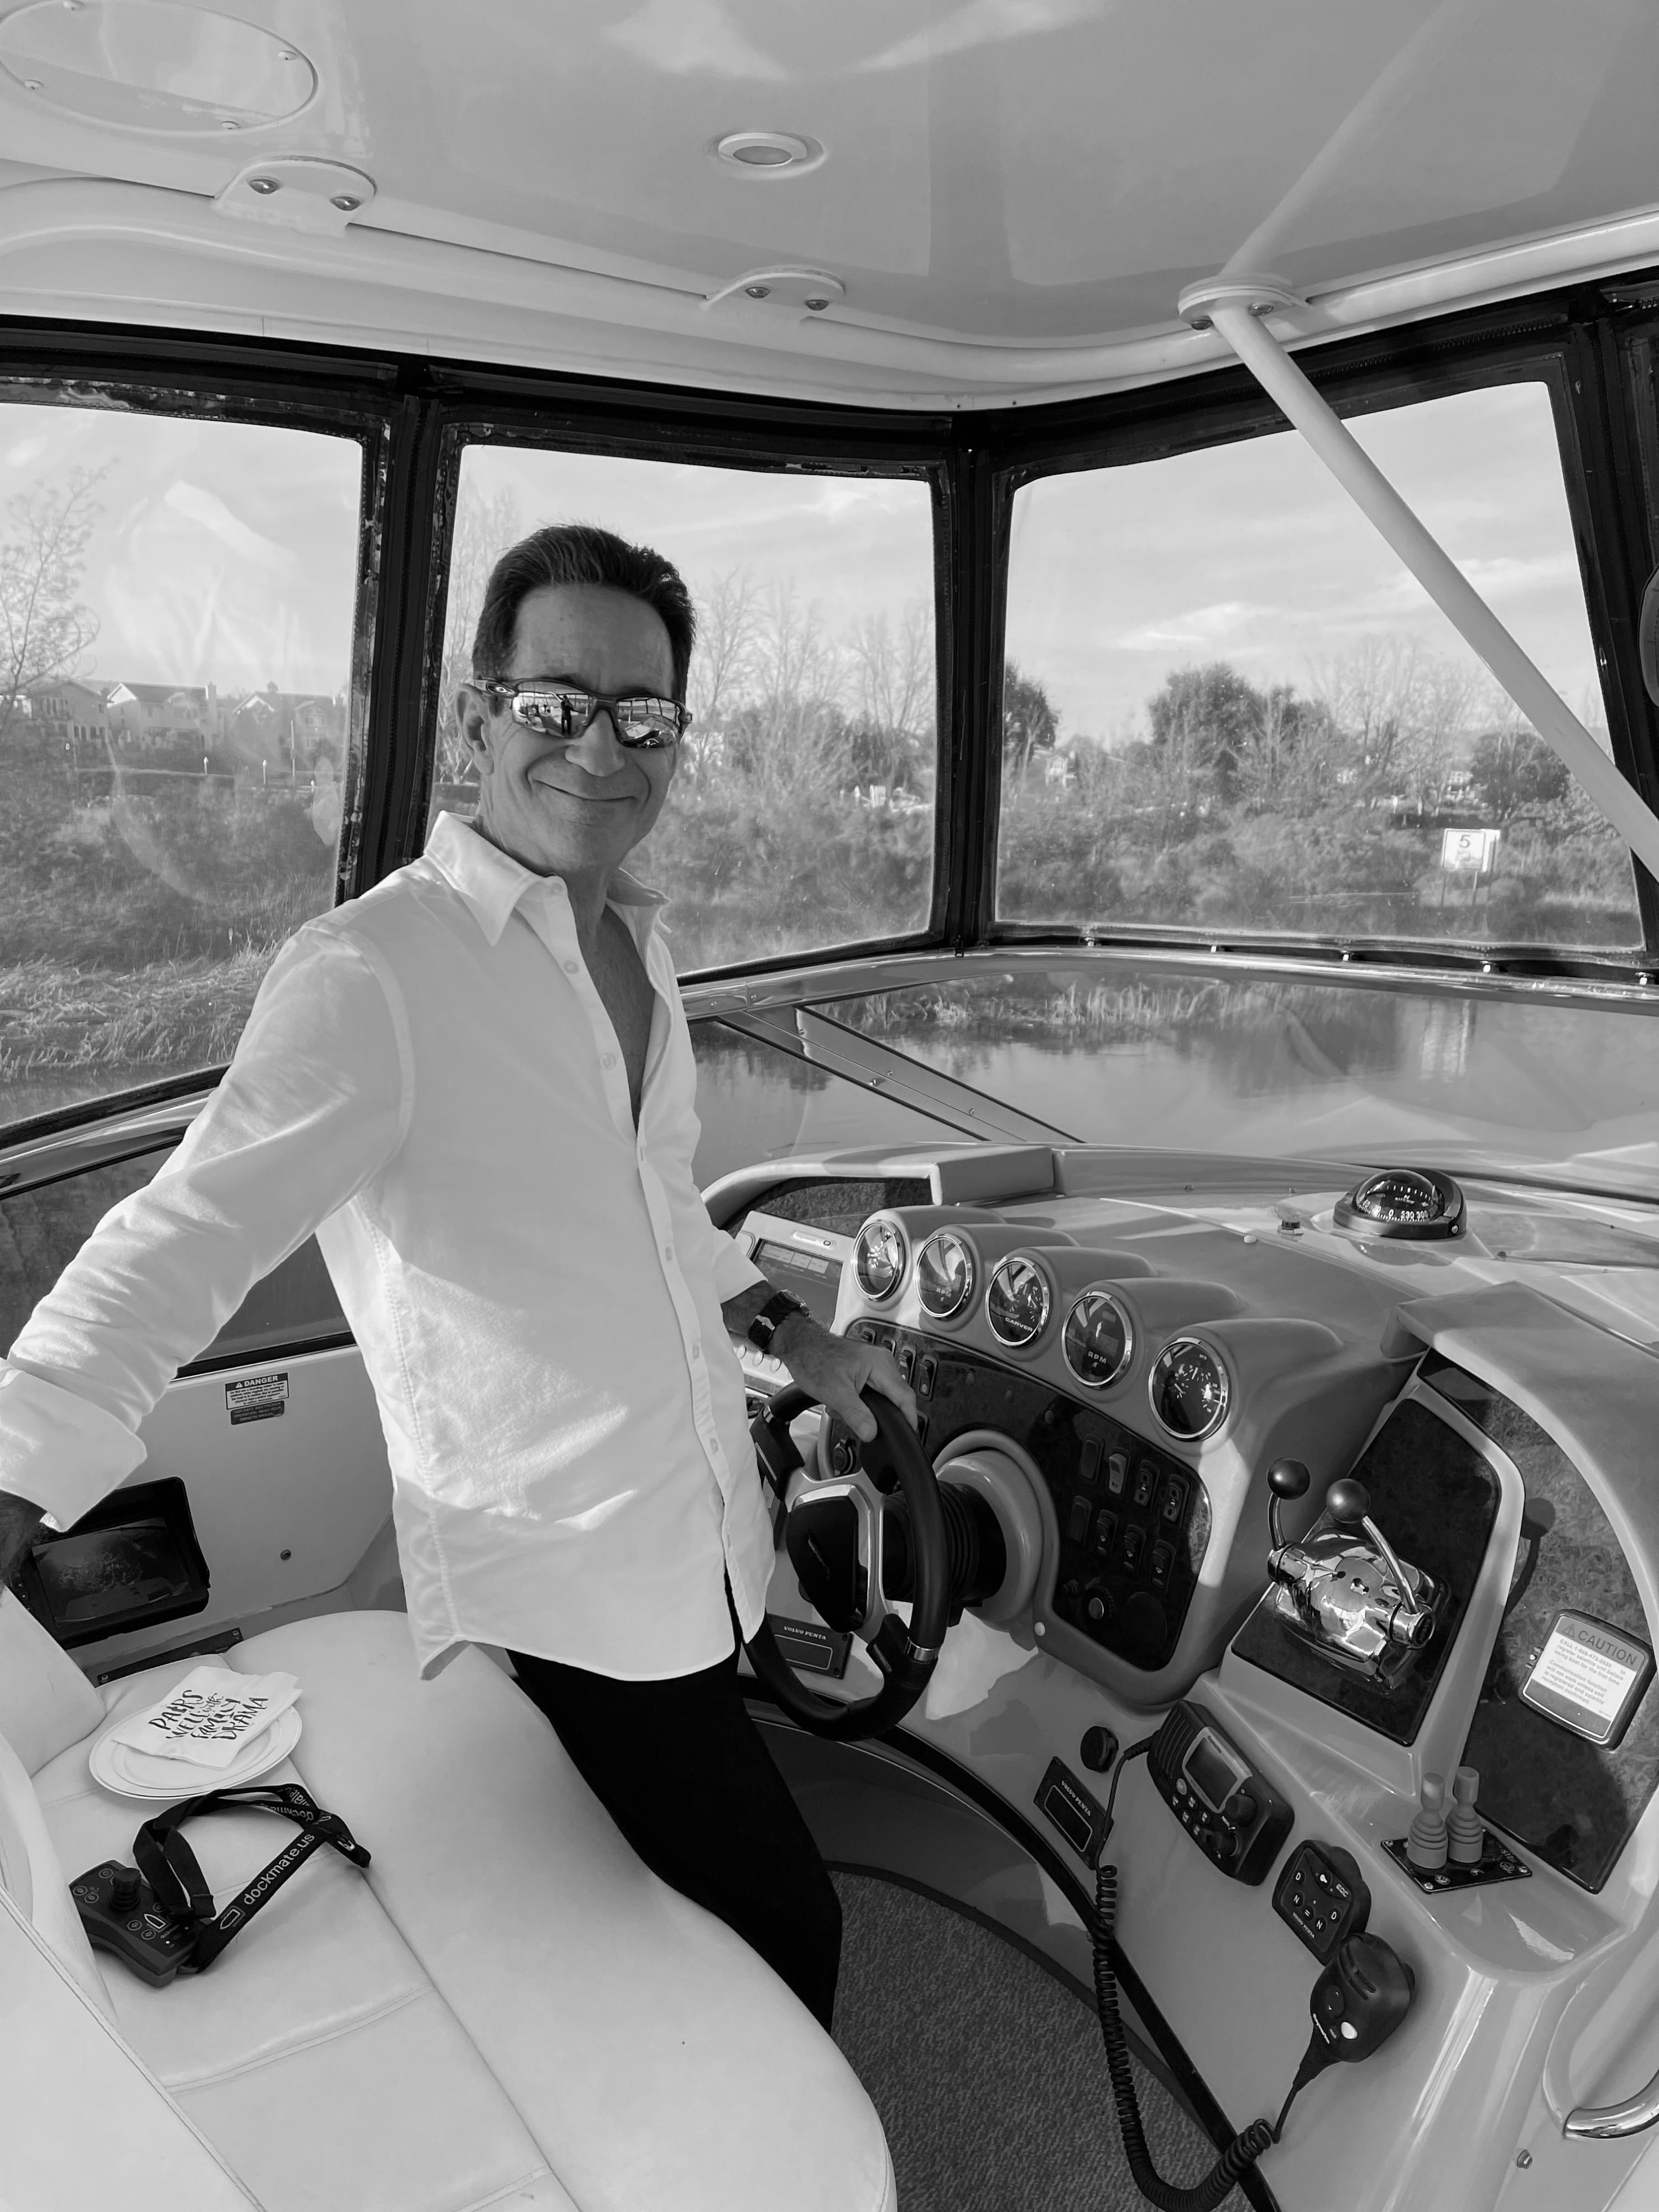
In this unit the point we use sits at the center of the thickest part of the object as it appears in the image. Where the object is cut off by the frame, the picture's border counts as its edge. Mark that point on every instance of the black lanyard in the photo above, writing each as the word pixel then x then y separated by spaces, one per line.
pixel 171 1867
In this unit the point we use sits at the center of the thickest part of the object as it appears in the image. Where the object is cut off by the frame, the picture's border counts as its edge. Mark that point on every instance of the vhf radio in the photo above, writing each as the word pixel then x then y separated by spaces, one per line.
pixel 1233 1814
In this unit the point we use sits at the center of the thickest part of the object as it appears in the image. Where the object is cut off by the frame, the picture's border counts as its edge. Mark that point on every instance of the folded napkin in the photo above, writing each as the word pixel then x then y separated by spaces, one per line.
pixel 210 1717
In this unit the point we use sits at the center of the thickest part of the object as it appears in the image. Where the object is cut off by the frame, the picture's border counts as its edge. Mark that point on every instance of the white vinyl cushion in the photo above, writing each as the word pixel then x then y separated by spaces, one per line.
pixel 32 1878
pixel 86 2127
pixel 506 2007
pixel 46 1703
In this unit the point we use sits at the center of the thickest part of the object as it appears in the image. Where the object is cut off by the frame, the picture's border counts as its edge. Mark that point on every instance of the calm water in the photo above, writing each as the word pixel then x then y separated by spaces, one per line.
pixel 1356 1074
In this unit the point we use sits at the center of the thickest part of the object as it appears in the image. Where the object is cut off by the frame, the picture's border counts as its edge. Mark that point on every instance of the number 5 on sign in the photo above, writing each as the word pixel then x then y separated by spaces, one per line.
pixel 1470 853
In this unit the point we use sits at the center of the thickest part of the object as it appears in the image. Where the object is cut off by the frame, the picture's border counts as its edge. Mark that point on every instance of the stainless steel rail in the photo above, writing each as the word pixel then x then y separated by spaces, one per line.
pixel 1601 2123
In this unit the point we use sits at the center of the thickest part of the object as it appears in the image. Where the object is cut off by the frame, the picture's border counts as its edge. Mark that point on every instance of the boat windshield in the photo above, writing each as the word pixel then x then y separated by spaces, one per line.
pixel 1115 1050
pixel 1228 709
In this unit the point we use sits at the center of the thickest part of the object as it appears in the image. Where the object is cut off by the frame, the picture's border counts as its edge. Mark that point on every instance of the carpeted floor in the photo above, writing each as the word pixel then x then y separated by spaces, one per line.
pixel 989 2075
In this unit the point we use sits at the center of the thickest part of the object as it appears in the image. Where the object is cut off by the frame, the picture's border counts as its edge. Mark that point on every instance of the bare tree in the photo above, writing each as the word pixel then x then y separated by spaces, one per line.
pixel 486 524
pixel 45 629
pixel 723 665
pixel 793 744
pixel 1404 713
pixel 892 669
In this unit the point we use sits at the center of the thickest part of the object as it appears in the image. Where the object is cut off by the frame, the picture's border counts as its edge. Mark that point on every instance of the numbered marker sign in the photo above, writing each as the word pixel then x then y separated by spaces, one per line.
pixel 1589 1677
pixel 1470 852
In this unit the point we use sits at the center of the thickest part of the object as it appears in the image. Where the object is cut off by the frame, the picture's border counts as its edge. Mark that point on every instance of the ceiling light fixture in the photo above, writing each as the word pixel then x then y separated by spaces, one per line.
pixel 767 153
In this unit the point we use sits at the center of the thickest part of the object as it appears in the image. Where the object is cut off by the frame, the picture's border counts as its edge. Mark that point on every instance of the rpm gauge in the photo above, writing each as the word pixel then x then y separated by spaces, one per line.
pixel 878 1258
pixel 1017 1305
pixel 945 1273
pixel 1099 1339
pixel 1189 1388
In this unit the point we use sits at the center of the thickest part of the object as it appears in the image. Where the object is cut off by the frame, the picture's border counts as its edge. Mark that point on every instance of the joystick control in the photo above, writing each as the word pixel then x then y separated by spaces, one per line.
pixel 1425 1839
pixel 1466 1834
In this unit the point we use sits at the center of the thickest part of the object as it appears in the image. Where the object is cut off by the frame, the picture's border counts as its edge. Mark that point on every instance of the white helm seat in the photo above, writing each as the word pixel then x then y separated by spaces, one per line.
pixel 506 2007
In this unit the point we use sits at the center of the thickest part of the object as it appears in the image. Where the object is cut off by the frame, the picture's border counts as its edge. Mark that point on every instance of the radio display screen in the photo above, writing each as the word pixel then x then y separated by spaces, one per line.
pixel 1211 1772
pixel 814 1277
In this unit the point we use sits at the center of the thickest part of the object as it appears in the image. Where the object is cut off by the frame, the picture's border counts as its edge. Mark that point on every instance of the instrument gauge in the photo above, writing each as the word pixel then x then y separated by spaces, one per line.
pixel 1018 1303
pixel 1189 1388
pixel 1099 1339
pixel 878 1258
pixel 945 1273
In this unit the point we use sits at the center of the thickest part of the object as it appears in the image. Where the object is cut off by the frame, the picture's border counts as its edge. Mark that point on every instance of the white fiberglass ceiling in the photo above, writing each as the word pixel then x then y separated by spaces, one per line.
pixel 1040 173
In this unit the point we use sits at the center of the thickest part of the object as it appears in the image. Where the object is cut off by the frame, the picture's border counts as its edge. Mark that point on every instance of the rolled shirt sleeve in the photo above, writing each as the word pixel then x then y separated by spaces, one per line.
pixel 315 1101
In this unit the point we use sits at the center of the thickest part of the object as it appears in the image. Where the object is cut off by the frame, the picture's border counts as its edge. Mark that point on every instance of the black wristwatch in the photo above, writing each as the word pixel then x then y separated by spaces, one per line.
pixel 772 1316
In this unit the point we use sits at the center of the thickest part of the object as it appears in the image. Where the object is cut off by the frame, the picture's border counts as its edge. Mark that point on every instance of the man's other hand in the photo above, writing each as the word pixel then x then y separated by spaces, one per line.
pixel 19 1519
pixel 835 1369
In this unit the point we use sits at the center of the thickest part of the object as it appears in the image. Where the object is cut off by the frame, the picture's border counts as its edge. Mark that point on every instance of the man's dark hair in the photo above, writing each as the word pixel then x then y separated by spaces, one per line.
pixel 581 553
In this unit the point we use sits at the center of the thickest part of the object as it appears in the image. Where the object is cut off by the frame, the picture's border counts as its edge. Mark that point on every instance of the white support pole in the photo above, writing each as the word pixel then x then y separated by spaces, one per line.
pixel 1236 307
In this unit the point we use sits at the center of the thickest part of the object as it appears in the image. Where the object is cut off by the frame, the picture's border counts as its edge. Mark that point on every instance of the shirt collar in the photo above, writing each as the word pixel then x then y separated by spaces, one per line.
pixel 492 882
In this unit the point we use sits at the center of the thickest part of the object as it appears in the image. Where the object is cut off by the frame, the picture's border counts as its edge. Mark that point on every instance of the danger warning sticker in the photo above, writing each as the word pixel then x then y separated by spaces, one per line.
pixel 256 1398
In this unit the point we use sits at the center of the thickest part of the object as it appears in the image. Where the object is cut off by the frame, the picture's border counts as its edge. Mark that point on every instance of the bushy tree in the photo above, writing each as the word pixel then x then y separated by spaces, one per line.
pixel 1515 774
pixel 1204 723
pixel 1030 723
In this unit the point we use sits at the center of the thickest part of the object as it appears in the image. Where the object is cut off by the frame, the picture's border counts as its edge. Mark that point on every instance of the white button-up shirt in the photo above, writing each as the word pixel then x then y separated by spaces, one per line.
pixel 429 1081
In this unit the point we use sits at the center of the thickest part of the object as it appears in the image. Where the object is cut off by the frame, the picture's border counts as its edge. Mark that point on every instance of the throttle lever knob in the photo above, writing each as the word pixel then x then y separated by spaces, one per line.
pixel 1348 1503
pixel 1287 1478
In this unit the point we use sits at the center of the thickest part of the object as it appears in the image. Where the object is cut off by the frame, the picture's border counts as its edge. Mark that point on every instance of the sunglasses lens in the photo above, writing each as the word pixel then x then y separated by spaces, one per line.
pixel 648 722
pixel 644 724
pixel 550 713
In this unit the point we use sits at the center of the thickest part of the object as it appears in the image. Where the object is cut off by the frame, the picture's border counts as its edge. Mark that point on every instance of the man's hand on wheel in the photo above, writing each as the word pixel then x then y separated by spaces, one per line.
pixel 835 1369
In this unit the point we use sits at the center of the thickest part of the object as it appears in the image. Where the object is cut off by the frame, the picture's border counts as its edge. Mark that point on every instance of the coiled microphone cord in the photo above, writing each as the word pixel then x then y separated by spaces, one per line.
pixel 1243 2150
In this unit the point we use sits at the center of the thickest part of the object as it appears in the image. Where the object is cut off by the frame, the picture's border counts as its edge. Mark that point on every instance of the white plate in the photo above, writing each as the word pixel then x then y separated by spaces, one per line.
pixel 132 1773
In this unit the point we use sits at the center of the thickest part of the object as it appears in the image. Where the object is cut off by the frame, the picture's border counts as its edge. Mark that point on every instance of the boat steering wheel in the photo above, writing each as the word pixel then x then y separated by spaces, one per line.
pixel 904 1655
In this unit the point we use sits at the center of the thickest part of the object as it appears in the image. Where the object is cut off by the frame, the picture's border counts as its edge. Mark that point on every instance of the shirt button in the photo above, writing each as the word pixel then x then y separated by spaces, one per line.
pixel 609 1060
pixel 570 967
pixel 696 1351
pixel 668 1252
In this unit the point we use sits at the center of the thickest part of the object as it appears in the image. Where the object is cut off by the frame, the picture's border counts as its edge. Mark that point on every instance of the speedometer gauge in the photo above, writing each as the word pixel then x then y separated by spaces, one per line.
pixel 1018 1303
pixel 945 1273
pixel 1189 1388
pixel 878 1258
pixel 1099 1339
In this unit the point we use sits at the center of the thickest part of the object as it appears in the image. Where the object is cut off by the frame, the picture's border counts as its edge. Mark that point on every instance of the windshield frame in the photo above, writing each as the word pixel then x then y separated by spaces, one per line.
pixel 1601 447
pixel 1596 344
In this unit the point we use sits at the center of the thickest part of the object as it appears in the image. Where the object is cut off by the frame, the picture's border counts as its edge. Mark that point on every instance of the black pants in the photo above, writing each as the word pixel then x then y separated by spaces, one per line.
pixel 681 1769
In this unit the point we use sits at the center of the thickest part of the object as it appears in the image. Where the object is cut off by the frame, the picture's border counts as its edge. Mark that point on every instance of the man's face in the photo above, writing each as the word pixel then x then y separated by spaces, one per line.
pixel 576 807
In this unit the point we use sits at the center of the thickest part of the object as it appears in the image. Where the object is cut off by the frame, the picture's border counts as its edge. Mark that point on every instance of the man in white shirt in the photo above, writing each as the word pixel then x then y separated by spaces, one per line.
pixel 475 1084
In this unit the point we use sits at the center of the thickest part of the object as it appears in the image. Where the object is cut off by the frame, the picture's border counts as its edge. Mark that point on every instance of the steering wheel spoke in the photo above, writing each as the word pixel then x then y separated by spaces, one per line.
pixel 836 1533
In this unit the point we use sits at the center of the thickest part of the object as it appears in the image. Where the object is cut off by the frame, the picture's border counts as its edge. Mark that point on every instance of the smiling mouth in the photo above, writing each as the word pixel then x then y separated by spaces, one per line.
pixel 591 797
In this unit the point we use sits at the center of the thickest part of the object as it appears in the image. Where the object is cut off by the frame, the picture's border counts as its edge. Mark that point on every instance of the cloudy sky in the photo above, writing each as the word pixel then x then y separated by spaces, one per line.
pixel 1250 553
pixel 226 553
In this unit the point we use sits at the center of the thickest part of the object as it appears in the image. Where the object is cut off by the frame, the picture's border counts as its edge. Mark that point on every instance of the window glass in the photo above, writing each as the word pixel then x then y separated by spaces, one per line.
pixel 1115 1053
pixel 1228 706
pixel 41 1230
pixel 756 1101
pixel 176 611
pixel 802 813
